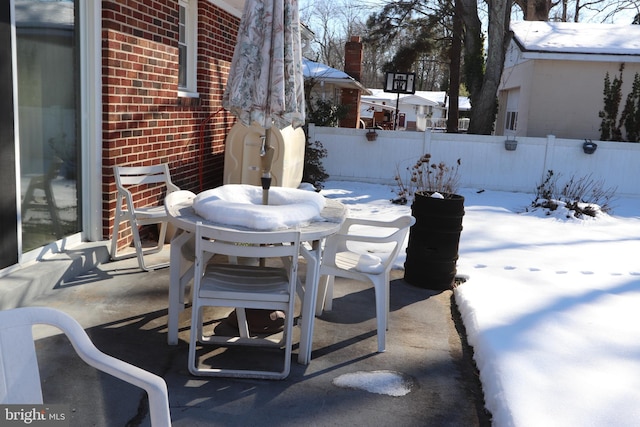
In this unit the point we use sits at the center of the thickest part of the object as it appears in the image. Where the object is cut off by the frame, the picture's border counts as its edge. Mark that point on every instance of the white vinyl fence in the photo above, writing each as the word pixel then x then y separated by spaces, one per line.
pixel 485 162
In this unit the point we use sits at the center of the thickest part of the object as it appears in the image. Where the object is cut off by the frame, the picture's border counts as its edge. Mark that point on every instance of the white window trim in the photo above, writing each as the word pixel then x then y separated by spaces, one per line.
pixel 90 48
pixel 191 41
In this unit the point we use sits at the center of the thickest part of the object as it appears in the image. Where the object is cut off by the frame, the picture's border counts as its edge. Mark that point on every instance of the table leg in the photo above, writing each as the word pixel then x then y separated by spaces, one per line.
pixel 309 301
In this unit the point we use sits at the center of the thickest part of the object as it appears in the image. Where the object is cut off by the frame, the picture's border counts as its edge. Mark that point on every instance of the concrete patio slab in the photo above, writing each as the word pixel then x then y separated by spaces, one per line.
pixel 124 310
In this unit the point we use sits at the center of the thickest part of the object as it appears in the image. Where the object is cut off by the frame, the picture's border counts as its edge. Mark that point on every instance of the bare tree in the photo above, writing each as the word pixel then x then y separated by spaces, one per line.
pixel 418 36
pixel 622 11
pixel 536 10
pixel 333 24
pixel 578 10
pixel 328 42
pixel 483 86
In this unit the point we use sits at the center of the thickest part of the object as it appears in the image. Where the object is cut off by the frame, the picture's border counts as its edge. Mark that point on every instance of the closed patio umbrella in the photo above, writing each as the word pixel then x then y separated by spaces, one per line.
pixel 266 84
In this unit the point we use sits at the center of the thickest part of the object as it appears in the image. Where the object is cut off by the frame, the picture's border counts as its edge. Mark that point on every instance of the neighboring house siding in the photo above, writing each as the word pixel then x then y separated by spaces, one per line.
pixel 558 71
pixel 567 98
pixel 561 98
pixel 144 120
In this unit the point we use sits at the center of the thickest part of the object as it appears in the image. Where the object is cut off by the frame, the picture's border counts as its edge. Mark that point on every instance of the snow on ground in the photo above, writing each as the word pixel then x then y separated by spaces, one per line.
pixel 552 306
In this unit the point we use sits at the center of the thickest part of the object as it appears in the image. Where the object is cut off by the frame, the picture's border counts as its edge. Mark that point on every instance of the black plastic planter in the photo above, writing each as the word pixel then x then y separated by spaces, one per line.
pixel 432 251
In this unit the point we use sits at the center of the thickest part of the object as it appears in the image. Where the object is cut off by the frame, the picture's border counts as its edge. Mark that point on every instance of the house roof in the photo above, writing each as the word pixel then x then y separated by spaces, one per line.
pixel 577 38
pixel 380 105
pixel 421 97
pixel 324 73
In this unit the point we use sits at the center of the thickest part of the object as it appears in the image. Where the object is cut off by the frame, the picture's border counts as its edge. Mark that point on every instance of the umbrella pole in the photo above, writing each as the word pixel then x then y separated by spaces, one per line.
pixel 266 158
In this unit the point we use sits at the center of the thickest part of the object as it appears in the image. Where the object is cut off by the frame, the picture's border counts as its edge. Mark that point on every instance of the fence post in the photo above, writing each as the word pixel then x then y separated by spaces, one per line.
pixel 426 142
pixel 549 152
pixel 312 132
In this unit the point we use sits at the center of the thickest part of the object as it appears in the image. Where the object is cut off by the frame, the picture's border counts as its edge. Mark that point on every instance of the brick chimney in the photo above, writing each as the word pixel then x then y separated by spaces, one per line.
pixel 353 57
pixel 353 67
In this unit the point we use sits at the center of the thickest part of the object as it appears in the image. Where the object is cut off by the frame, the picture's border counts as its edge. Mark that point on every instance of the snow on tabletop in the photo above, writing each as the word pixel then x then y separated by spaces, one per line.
pixel 241 205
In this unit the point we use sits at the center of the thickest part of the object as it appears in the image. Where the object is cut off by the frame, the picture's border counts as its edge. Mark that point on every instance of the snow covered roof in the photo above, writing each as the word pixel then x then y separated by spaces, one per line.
pixel 421 97
pixel 464 103
pixel 322 72
pixel 418 98
pixel 577 38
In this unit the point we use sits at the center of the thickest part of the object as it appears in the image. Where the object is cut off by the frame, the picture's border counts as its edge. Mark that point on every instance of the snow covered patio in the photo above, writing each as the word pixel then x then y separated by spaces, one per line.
pixel 551 307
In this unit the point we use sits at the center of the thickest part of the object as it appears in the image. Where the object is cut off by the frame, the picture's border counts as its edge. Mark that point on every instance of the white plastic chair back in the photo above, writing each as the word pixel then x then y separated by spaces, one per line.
pixel 342 260
pixel 19 375
pixel 242 286
pixel 126 210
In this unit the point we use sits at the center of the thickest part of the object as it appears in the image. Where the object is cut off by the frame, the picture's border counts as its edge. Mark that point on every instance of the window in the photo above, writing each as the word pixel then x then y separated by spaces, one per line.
pixel 337 95
pixel 512 120
pixel 187 47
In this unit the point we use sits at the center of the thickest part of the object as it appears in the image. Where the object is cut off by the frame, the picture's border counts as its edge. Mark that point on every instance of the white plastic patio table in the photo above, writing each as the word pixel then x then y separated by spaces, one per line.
pixel 184 218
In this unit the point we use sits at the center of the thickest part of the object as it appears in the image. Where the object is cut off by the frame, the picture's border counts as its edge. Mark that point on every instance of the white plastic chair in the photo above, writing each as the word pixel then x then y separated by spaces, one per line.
pixel 341 258
pixel 19 374
pixel 242 286
pixel 127 177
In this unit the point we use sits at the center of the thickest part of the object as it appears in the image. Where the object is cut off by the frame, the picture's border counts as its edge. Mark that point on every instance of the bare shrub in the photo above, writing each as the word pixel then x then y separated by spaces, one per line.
pixel 426 176
pixel 581 195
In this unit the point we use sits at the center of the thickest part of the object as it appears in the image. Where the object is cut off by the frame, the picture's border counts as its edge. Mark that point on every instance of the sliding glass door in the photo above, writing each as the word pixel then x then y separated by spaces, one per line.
pixel 48 79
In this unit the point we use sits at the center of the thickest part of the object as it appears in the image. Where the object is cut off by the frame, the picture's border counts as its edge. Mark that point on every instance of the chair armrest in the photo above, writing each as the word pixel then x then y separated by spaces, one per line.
pixel 154 385
pixel 128 197
pixel 400 222
pixel 397 231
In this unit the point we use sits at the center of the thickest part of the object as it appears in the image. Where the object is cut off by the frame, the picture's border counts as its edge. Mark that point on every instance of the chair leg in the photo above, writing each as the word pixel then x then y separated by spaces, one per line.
pixel 328 299
pixel 114 237
pixel 387 292
pixel 322 290
pixel 324 300
pixel 196 337
pixel 193 341
pixel 381 313
pixel 137 243
pixel 139 251
pixel 160 245
pixel 243 326
pixel 162 235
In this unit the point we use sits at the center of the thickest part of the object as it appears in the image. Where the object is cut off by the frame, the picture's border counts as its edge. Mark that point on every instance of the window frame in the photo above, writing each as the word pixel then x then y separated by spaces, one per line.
pixel 188 39
pixel 511 121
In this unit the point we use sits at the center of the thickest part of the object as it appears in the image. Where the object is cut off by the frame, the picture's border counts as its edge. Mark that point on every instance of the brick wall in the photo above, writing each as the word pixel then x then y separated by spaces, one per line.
pixel 144 120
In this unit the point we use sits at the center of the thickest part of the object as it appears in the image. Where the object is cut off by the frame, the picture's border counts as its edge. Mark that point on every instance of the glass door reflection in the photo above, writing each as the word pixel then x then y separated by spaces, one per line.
pixel 47 55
